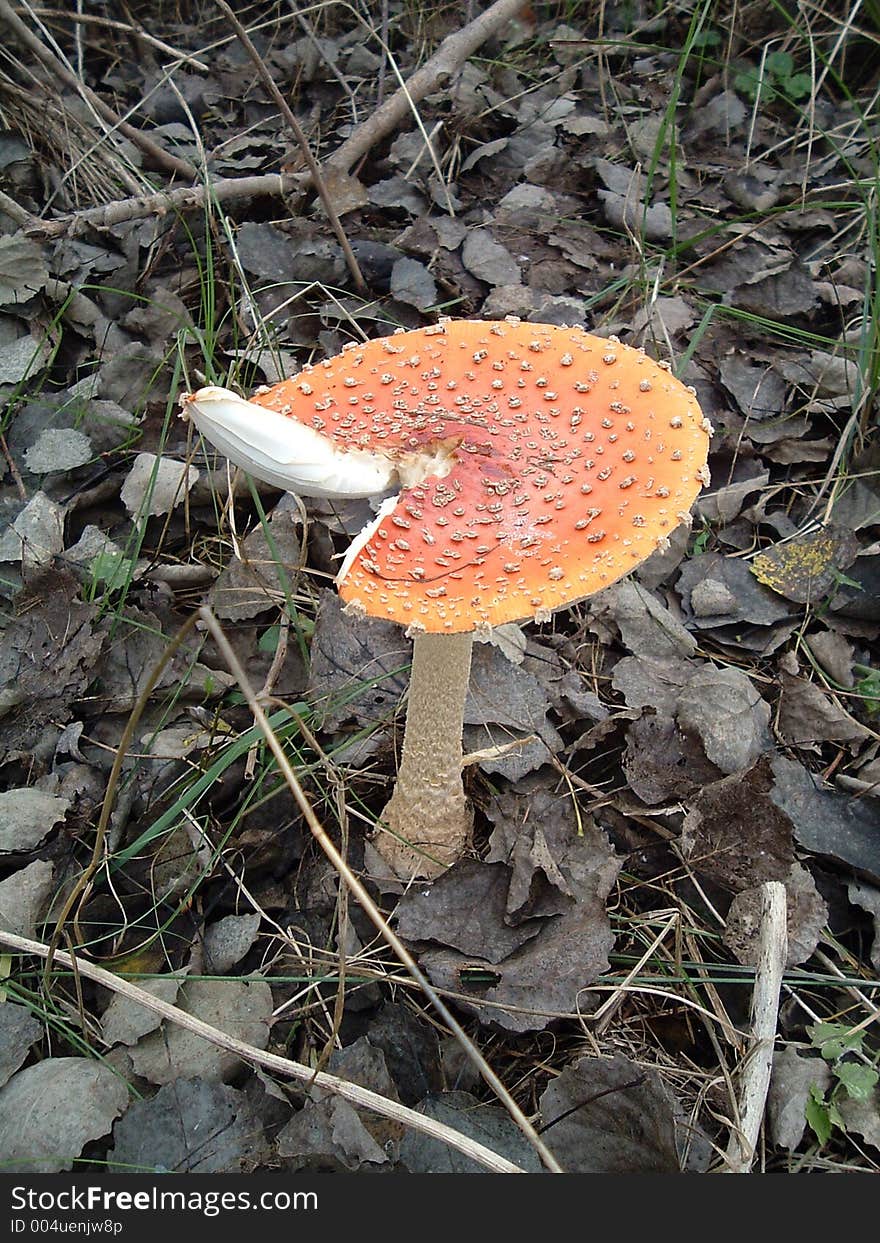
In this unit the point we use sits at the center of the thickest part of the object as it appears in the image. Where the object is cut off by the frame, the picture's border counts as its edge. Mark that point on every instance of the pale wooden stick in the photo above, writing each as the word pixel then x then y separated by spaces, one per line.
pixel 362 1097
pixel 757 1064
pixel 162 203
pixel 450 56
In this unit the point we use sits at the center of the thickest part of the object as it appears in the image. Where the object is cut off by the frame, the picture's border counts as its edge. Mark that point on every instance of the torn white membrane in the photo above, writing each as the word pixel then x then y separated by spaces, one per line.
pixel 283 452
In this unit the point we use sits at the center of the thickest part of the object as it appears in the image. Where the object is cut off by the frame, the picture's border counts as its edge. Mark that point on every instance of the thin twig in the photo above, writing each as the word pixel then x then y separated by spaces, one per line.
pixel 447 60
pixel 162 203
pixel 158 156
pixel 755 1077
pixel 128 28
pixel 362 1097
pixel 451 54
pixel 302 142
pixel 13 469
pixel 329 64
pixel 367 904
pixel 13 210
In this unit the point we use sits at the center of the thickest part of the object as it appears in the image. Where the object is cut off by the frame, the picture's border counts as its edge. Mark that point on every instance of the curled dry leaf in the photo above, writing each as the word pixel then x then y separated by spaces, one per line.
pixel 612 1116
pixel 23 270
pixel 190 1126
pixel 27 816
pixel 662 763
pixel 745 599
pixel 327 1133
pixel 36 536
pixel 549 896
pixel 647 627
pixel 228 940
pixel 51 1110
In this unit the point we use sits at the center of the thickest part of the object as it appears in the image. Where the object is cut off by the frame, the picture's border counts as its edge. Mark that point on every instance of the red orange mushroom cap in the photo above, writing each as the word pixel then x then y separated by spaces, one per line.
pixel 538 465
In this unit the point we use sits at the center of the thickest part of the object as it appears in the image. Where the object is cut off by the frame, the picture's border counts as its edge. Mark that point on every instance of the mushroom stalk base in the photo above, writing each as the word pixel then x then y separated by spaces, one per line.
pixel 428 820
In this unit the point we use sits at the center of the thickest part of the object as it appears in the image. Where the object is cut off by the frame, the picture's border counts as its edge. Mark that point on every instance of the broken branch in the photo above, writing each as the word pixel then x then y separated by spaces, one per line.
pixel 450 56
pixel 756 1067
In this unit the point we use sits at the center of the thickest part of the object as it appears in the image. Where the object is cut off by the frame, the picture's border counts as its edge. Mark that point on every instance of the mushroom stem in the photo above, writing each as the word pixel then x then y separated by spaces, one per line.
pixel 428 819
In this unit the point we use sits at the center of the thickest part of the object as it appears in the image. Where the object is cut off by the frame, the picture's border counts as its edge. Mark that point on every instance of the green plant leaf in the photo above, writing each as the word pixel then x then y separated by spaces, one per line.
pixel 818 1115
pixel 268 641
pixel 858 1080
pixel 779 64
pixel 822 1116
pixel 747 82
pixel 798 86
pixel 833 1040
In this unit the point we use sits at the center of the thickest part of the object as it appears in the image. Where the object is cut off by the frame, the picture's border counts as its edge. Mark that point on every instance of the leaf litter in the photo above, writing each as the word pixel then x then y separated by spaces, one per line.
pixel 656 753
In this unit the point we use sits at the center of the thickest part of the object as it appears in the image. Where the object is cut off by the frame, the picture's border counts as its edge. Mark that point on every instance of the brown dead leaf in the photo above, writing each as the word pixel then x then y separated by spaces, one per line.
pixel 255 581
pixel 647 627
pixel 791 1080
pixel 735 835
pixel 18 1031
pixel 663 764
pixel 465 909
pixel 745 600
pixel 555 860
pixel 809 715
pixel 192 1127
pixel 490 1125
pixel 358 672
pixel 553 863
pixel 49 1111
pixel 826 821
pixel 725 710
pixel 240 1007
pixel 48 657
pixel 612 1116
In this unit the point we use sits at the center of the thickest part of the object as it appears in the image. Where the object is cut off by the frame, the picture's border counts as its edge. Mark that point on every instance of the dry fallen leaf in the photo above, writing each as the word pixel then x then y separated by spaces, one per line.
pixel 190 1126
pixel 807 915
pixel 792 1078
pixel 27 816
pixel 156 485
pixel 612 1116
pixel 51 1110
pixel 18 1031
pixel 489 1125
pixel 735 835
pixel 241 1008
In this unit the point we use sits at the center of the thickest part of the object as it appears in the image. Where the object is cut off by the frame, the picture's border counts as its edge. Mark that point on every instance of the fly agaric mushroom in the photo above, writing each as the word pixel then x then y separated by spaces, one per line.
pixel 525 466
